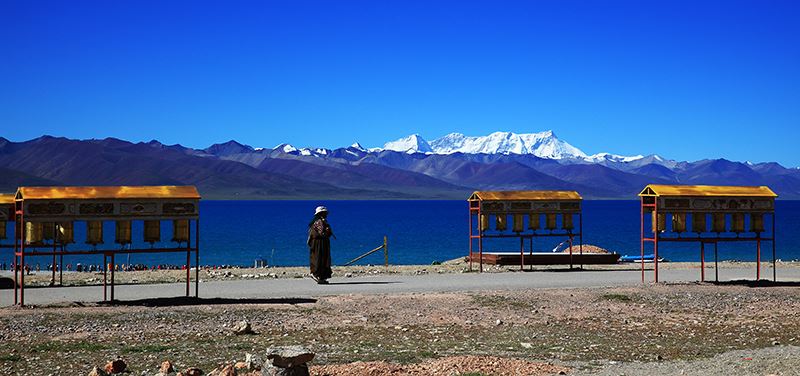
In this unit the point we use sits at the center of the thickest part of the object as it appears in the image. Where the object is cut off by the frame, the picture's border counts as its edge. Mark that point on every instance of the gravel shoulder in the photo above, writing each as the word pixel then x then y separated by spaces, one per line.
pixel 676 328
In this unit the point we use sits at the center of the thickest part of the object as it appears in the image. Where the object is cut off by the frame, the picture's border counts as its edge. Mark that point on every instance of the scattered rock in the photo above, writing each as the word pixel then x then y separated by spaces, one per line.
pixel 166 368
pixel 242 327
pixel 116 366
pixel 97 371
pixel 253 362
pixel 226 370
pixel 191 372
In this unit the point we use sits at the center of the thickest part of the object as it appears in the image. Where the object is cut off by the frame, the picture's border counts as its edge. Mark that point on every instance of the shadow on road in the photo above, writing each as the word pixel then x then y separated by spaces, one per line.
pixel 364 283
pixel 191 301
pixel 753 283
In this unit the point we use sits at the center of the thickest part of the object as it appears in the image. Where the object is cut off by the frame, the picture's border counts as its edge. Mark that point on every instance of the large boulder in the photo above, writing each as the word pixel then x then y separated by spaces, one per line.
pixel 288 356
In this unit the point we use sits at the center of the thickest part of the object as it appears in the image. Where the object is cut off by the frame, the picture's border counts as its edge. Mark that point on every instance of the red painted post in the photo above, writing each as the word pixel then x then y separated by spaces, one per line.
pixel 470 234
pixel 641 238
pixel 702 262
pixel 655 241
pixel 758 258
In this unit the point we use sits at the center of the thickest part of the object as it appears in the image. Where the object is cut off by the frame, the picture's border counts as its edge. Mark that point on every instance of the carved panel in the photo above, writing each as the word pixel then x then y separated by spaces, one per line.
pixel 147 208
pixel 96 209
pixel 172 208
pixel 46 208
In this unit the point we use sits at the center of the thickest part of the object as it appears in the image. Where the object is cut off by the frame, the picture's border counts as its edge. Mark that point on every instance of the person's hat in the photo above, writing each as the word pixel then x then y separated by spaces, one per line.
pixel 320 209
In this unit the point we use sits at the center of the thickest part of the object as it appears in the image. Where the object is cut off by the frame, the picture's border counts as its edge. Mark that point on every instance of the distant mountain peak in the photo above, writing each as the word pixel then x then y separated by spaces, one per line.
pixel 410 144
pixel 228 148
pixel 357 146
pixel 542 144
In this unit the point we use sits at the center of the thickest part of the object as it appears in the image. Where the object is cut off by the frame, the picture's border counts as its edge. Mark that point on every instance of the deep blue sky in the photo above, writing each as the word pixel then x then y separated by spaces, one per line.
pixel 684 79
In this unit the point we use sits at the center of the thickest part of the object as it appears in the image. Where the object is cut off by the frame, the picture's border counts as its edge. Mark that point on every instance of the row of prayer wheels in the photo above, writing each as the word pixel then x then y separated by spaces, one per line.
pixel 699 222
pixel 36 232
pixel 534 222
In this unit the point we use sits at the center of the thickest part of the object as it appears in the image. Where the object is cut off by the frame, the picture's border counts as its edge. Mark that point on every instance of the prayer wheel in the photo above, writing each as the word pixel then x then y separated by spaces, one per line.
pixel 94 232
pixel 550 221
pixel 66 232
pixel 500 222
pixel 566 222
pixel 484 222
pixel 33 232
pixel 534 222
pixel 123 232
pixel 757 222
pixel 699 223
pixel 180 230
pixel 519 224
pixel 3 230
pixel 152 231
pixel 48 230
pixel 737 222
pixel 718 222
pixel 679 222
pixel 659 222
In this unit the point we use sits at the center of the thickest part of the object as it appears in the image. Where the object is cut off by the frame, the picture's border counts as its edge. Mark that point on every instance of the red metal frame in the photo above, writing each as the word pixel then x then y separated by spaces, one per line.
pixel 475 212
pixel 58 249
pixel 719 238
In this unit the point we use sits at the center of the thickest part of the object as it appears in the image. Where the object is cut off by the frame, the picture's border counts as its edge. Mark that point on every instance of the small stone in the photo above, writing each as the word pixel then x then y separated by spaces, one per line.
pixel 97 371
pixel 526 345
pixel 242 327
pixel 116 366
pixel 166 368
pixel 253 361
pixel 192 372
pixel 498 322
pixel 775 343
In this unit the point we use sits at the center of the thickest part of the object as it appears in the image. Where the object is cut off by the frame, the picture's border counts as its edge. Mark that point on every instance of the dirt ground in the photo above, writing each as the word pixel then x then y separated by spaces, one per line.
pixel 648 329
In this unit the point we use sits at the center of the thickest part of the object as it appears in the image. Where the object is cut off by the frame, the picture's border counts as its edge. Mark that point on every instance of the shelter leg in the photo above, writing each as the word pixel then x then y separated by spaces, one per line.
pixel 716 263
pixel 113 265
pixel 702 262
pixel 570 252
pixel 105 277
pixel 197 258
pixel 758 259
pixel 521 253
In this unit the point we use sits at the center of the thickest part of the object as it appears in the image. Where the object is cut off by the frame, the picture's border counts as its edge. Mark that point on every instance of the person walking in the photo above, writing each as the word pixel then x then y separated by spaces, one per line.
pixel 319 244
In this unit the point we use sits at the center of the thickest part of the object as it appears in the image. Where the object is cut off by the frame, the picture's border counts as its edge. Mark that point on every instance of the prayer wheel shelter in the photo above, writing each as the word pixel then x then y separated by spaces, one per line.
pixel 707 214
pixel 489 213
pixel 45 219
pixel 6 217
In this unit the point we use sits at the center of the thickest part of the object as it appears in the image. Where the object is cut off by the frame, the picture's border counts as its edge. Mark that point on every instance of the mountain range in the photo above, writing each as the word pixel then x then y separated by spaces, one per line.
pixel 449 167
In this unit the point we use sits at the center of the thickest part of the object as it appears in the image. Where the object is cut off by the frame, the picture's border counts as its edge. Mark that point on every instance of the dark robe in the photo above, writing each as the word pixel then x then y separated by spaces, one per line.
pixel 319 243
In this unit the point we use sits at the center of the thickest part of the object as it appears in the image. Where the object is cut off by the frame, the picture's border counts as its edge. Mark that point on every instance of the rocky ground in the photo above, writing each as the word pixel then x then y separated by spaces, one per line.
pixel 649 329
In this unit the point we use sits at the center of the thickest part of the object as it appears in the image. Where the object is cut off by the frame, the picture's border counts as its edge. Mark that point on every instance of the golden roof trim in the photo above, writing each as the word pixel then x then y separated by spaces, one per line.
pixel 6 198
pixel 707 191
pixel 525 195
pixel 109 192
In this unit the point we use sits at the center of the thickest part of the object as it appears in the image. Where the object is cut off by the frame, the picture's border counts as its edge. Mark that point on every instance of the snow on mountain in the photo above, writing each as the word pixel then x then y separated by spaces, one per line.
pixel 357 146
pixel 608 157
pixel 543 144
pixel 411 144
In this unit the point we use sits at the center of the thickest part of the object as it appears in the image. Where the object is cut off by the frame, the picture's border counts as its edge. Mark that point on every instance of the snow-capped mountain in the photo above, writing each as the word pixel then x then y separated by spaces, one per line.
pixel 542 144
pixel 411 144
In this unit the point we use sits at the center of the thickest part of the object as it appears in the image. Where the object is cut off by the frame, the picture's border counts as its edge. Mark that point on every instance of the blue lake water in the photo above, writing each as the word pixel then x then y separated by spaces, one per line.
pixel 420 232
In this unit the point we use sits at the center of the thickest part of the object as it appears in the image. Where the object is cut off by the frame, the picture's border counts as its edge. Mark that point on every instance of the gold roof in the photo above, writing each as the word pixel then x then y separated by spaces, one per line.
pixel 113 192
pixel 525 195
pixel 6 198
pixel 707 190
